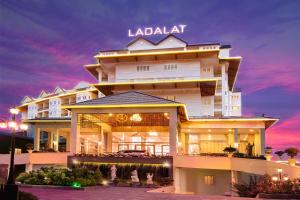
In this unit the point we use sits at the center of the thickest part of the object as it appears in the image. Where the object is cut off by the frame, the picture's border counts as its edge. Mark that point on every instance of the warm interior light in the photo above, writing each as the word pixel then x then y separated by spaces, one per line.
pixel 3 125
pixel 14 111
pixel 251 130
pixel 166 164
pixel 279 170
pixel 285 178
pixel 110 114
pixel 99 142
pixel 275 178
pixel 166 114
pixel 189 130
pixel 24 127
pixel 236 145
pixel 179 144
pixel 209 130
pixel 153 133
pixel 229 130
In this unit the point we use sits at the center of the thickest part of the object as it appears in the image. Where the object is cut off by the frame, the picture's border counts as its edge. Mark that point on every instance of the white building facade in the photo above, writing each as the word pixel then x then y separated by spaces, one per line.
pixel 168 98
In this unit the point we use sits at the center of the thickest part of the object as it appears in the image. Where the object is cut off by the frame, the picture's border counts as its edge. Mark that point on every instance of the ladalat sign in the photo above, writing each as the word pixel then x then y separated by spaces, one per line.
pixel 156 30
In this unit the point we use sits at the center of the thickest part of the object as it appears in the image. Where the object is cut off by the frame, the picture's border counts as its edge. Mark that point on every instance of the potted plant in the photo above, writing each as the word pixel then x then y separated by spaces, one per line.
pixel 292 153
pixel 279 154
pixel 29 147
pixel 229 150
pixel 268 153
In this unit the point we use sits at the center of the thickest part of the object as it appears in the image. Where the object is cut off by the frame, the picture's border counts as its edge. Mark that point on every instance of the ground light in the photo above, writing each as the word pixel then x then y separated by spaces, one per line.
pixel 76 185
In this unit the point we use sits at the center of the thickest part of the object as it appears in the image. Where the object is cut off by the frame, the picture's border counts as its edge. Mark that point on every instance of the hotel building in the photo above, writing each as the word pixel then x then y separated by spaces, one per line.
pixel 168 98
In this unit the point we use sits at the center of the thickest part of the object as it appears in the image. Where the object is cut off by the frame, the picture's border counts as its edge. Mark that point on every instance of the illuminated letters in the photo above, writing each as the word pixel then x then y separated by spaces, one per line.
pixel 157 30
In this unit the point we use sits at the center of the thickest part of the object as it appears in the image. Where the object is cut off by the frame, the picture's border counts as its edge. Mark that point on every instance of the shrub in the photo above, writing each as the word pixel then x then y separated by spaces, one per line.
pixel 98 176
pixel 29 146
pixel 292 152
pixel 229 149
pixel 279 153
pixel 264 185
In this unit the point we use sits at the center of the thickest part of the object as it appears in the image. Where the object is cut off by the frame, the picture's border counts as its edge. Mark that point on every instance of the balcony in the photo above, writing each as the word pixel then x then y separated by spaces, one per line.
pixel 43 109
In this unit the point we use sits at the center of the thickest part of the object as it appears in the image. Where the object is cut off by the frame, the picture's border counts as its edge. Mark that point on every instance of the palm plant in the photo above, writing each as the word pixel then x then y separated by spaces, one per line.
pixel 279 154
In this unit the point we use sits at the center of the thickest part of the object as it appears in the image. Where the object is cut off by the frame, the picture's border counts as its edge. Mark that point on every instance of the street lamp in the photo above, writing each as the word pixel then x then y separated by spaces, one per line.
pixel 280 176
pixel 11 189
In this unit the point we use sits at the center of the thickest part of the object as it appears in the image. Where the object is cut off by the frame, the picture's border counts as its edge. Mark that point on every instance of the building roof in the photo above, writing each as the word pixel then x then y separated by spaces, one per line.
pixel 125 98
pixel 47 119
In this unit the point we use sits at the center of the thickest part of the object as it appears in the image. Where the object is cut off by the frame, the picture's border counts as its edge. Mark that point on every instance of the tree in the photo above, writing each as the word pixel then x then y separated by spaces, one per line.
pixel 292 152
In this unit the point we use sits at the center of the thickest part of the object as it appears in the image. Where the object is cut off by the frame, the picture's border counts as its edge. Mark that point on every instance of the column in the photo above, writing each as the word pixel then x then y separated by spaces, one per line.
pixel 37 139
pixel 68 135
pixel 173 133
pixel 75 134
pixel 50 138
pixel 56 139
pixel 262 141
pixel 186 149
pixel 235 138
pixel 99 74
pixel 109 141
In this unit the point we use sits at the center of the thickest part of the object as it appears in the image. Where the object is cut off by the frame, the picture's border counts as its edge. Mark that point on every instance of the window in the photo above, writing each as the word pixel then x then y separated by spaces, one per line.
pixel 208 180
pixel 170 67
pixel 142 68
pixel 206 69
pixel 235 107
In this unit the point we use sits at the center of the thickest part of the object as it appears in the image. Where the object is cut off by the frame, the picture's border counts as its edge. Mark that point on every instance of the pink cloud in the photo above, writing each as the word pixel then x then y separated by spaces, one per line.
pixel 60 55
pixel 285 134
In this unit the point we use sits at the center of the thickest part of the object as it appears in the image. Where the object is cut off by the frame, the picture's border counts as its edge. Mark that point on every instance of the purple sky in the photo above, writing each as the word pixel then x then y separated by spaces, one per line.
pixel 45 43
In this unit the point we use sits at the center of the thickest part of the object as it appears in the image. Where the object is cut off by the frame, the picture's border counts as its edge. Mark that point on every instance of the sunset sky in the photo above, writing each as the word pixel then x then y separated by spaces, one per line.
pixel 44 44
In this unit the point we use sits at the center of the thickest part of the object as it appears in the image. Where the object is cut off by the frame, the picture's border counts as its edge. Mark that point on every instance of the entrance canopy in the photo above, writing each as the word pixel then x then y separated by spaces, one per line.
pixel 131 99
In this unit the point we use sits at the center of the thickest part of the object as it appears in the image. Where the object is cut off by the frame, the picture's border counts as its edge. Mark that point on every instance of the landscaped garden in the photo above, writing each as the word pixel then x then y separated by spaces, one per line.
pixel 90 175
pixel 267 187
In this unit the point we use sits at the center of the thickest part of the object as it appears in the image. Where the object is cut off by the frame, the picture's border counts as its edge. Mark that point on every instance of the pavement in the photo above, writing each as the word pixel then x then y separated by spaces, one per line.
pixel 116 193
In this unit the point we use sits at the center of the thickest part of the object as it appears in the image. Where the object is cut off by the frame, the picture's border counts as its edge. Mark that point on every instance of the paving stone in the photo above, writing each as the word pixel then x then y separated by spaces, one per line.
pixel 116 193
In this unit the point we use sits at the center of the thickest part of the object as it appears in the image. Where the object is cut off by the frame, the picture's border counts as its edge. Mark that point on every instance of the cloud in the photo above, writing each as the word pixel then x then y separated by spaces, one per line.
pixel 285 134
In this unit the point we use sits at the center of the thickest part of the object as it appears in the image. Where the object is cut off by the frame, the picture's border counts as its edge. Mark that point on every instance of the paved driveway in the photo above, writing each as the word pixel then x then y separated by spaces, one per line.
pixel 115 193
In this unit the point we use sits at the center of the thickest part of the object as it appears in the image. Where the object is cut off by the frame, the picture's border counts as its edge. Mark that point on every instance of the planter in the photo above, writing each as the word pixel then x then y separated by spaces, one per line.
pixel 268 157
pixel 29 151
pixel 268 151
pixel 229 155
pixel 278 196
pixel 292 161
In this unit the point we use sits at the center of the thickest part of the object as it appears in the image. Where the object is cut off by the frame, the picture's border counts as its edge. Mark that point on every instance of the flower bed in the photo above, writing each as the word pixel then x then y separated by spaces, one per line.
pixel 63 177
pixel 267 188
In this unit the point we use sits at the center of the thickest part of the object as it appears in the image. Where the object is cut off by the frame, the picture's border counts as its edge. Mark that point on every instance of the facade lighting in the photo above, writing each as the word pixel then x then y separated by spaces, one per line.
pixel 166 164
pixel 136 118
